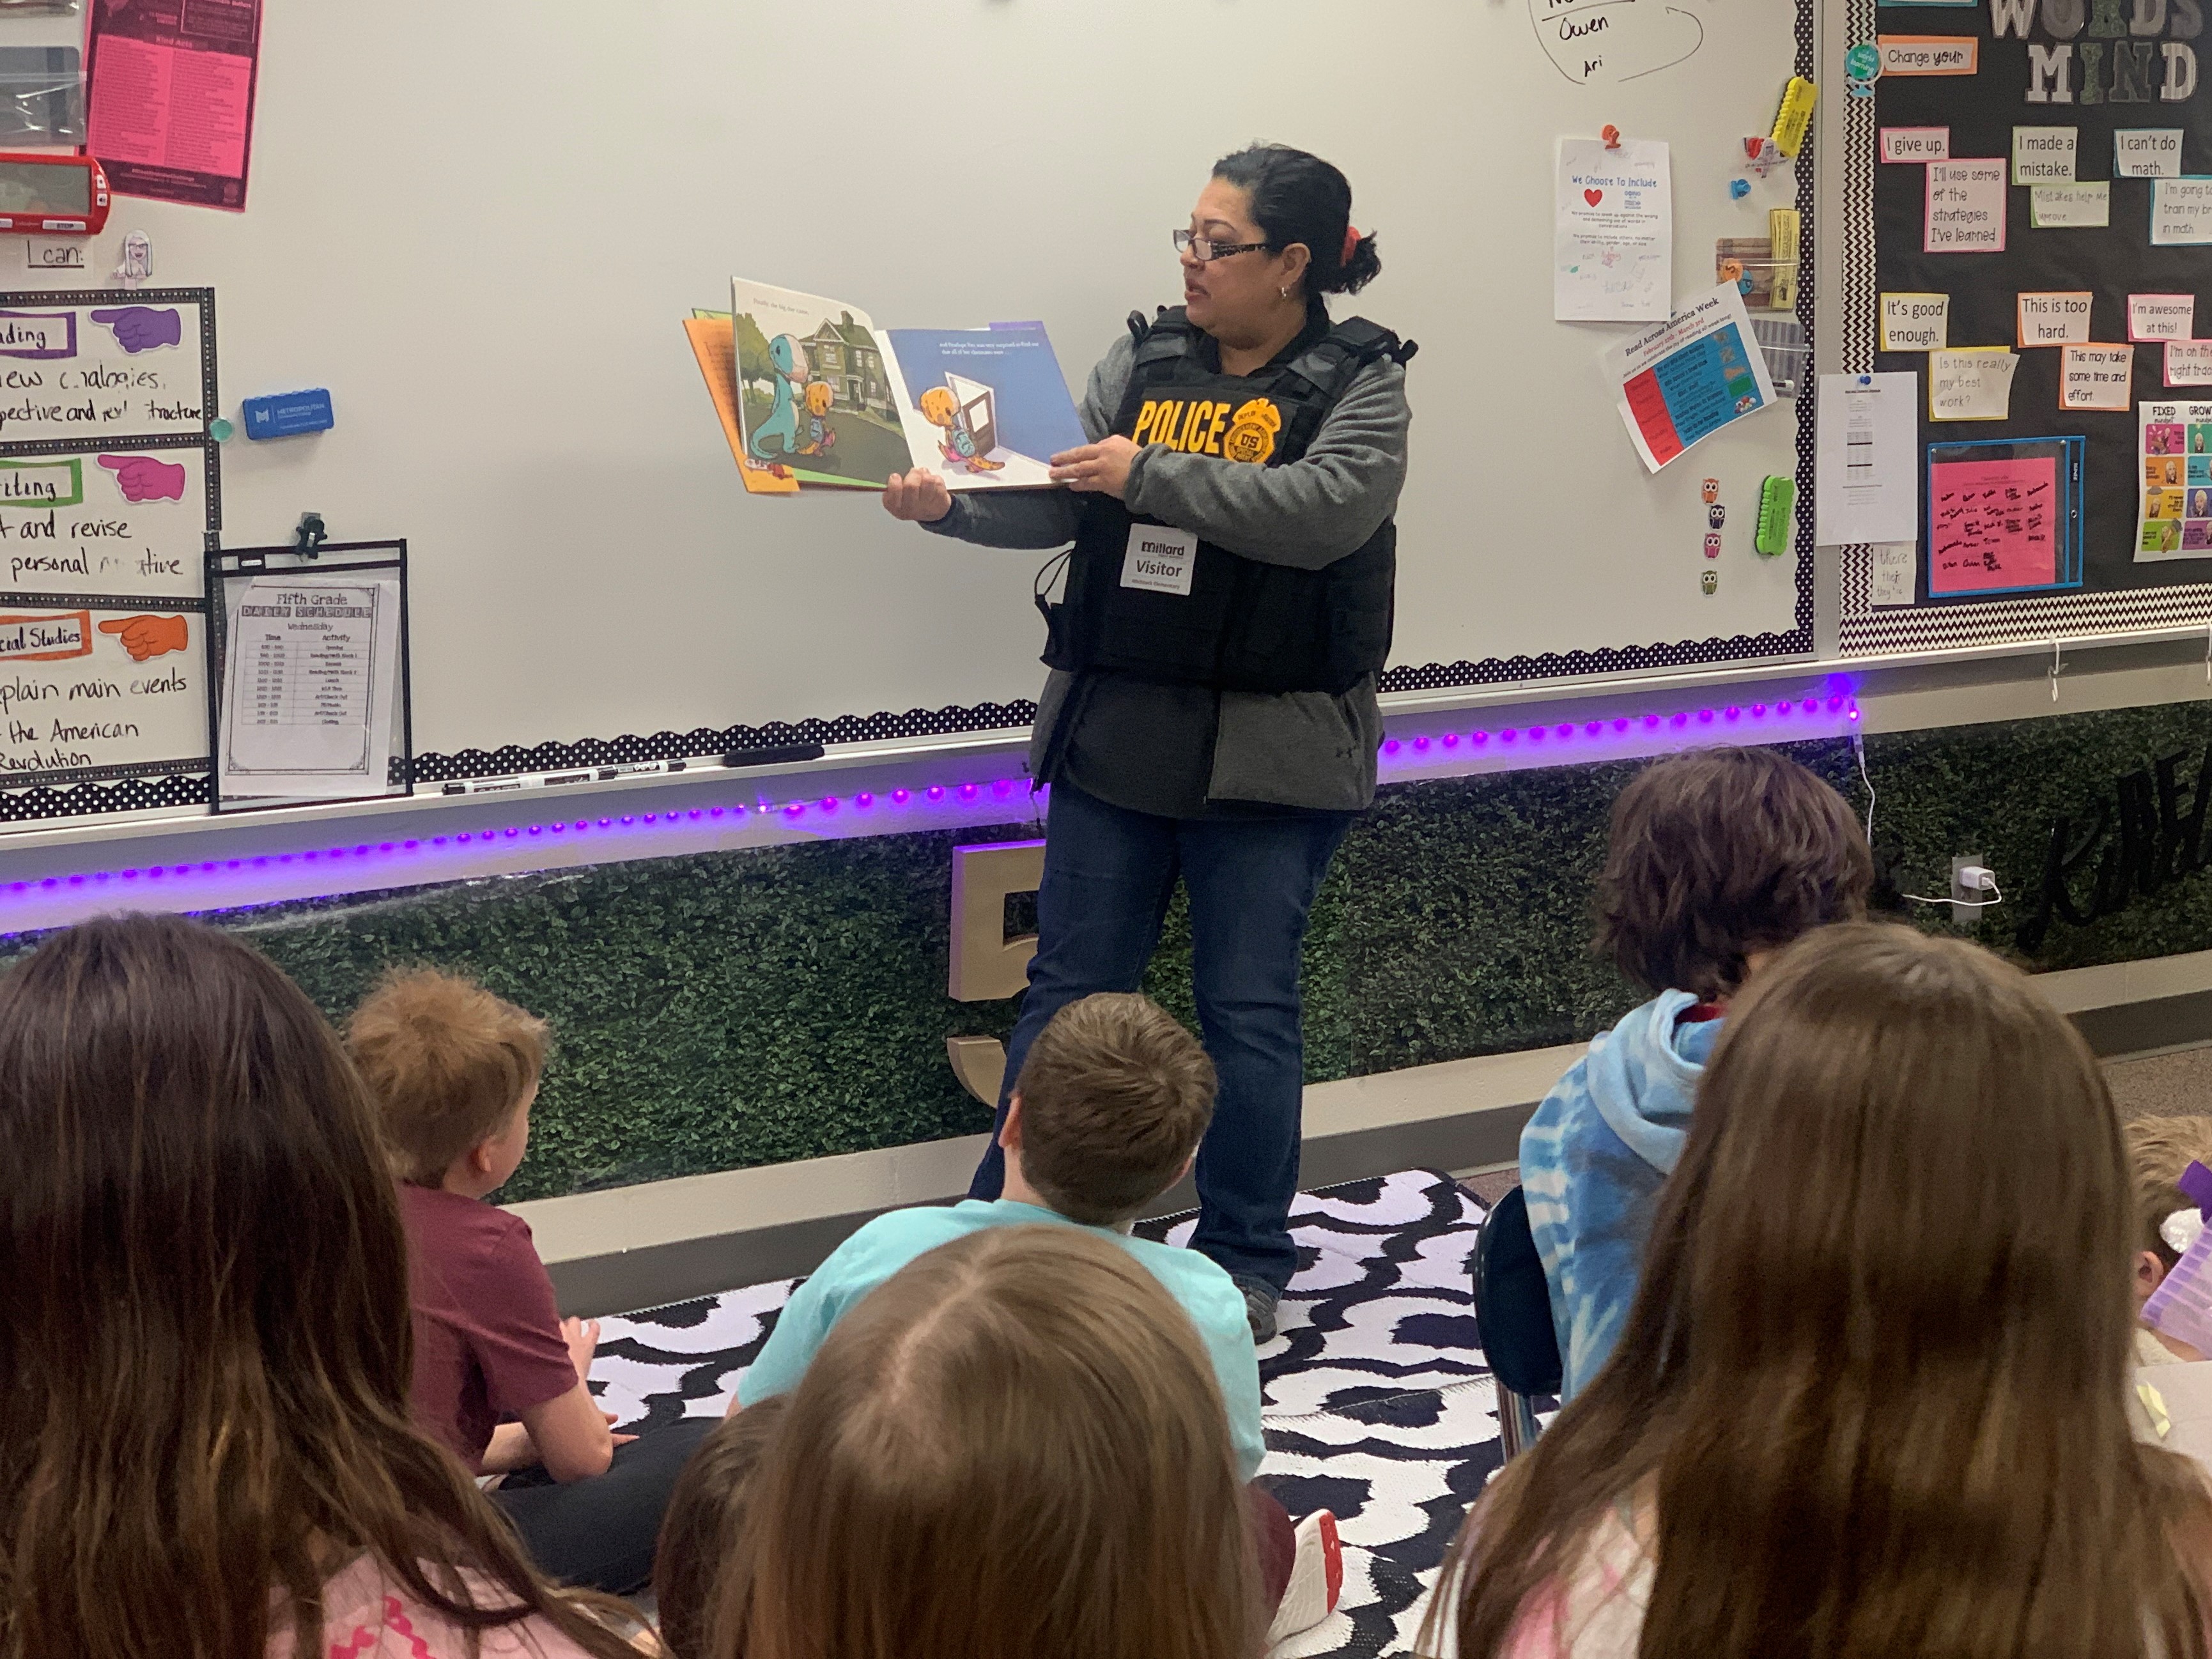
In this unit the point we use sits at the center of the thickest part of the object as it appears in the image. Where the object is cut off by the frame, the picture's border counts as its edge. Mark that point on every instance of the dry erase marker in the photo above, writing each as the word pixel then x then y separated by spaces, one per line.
pixel 504 785
pixel 637 768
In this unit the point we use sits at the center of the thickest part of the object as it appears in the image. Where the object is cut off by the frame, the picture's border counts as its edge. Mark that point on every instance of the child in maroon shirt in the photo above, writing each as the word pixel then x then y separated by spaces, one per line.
pixel 500 1377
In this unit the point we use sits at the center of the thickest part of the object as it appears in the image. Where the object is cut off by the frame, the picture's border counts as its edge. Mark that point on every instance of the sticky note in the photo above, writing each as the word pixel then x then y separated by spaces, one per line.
pixel 2069 207
pixel 2147 153
pixel 1928 54
pixel 1890 574
pixel 2180 212
pixel 2189 362
pixel 1916 144
pixel 2042 156
pixel 1972 384
pixel 2046 319
pixel 2097 377
pixel 1915 322
pixel 2161 316
pixel 1966 210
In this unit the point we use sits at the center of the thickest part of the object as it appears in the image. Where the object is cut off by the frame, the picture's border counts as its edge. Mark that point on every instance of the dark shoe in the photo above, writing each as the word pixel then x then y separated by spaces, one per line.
pixel 1260 1299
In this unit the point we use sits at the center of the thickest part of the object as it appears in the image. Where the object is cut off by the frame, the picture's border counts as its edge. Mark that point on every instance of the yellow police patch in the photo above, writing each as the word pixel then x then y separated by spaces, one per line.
pixel 1252 431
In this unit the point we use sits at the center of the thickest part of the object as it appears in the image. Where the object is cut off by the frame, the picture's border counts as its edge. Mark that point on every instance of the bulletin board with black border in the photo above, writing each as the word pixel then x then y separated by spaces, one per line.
pixel 2095 67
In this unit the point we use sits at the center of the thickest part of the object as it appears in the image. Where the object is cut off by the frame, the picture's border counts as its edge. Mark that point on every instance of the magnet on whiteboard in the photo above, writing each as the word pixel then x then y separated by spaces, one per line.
pixel 1710 580
pixel 138 259
pixel 1716 518
pixel 1739 188
pixel 222 430
pixel 1713 544
pixel 1611 134
pixel 1711 489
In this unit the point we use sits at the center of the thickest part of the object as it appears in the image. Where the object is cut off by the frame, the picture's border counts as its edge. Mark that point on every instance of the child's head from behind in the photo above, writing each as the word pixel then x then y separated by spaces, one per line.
pixel 700 1528
pixel 2158 1150
pixel 1720 855
pixel 204 1324
pixel 1115 1096
pixel 1883 1310
pixel 1014 1446
pixel 454 1069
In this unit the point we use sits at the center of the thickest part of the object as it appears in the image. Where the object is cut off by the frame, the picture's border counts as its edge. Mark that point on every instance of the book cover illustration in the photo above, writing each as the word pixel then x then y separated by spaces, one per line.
pixel 986 407
pixel 817 396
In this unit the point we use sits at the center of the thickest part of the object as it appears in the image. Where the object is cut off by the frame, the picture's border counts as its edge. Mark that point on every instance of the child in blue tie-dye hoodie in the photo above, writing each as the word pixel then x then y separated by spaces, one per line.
pixel 1717 859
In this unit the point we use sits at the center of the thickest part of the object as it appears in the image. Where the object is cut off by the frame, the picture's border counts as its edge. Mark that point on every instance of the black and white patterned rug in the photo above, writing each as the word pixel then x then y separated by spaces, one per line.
pixel 1375 1399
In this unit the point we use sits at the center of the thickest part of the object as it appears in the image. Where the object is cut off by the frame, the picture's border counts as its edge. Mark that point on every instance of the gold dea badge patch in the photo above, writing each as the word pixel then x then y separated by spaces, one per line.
pixel 1205 426
pixel 1252 431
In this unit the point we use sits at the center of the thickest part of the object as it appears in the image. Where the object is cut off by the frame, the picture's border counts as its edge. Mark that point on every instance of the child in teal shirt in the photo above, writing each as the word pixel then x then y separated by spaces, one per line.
pixel 1107 1115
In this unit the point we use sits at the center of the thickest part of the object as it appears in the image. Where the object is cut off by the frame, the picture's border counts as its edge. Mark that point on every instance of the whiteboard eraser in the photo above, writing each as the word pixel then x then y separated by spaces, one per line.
pixel 289 414
pixel 1776 497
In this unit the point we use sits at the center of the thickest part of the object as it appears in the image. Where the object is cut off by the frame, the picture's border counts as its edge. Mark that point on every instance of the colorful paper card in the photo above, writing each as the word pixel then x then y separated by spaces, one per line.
pixel 2180 212
pixel 1992 525
pixel 2174 443
pixel 2097 377
pixel 2147 153
pixel 2189 362
pixel 171 98
pixel 1928 54
pixel 1966 210
pixel 1915 322
pixel 2043 155
pixel 2069 207
pixel 2004 516
pixel 1973 383
pixel 1916 144
pixel 2050 320
pixel 2161 316
pixel 1686 378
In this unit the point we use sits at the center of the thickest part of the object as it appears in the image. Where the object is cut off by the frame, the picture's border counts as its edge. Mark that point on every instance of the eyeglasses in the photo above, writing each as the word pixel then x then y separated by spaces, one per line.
pixel 1206 250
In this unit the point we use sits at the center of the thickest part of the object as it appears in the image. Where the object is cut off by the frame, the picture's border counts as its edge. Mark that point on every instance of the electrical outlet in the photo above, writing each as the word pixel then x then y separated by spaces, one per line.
pixel 1965 902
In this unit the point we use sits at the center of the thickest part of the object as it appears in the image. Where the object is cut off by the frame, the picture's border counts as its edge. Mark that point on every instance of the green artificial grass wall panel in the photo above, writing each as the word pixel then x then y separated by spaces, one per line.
pixel 748 1007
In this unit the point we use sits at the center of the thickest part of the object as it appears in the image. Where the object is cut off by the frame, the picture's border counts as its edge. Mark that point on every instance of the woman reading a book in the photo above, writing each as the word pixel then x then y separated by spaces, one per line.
pixel 1210 711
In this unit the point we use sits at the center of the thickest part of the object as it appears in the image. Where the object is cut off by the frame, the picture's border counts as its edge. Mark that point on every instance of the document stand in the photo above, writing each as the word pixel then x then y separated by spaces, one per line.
pixel 308 676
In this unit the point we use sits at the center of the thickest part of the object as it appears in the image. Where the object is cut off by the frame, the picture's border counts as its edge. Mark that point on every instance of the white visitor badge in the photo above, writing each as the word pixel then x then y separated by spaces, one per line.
pixel 1160 560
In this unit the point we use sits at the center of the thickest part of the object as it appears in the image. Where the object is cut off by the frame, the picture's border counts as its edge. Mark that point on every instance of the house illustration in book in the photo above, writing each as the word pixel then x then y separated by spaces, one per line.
pixel 846 356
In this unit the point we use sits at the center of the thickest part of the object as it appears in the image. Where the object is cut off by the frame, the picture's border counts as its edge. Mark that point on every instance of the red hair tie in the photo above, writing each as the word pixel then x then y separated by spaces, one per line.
pixel 1350 244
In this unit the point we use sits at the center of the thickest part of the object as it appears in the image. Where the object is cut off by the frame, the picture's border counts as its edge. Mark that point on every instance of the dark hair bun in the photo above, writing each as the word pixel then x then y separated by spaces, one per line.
pixel 1362 268
pixel 1299 198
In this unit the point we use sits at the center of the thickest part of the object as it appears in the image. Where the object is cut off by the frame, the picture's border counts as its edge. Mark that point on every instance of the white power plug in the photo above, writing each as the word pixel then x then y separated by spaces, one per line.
pixel 1977 878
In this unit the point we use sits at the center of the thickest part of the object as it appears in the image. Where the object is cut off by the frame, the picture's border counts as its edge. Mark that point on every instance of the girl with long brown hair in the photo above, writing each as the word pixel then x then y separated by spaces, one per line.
pixel 1014 1447
pixel 1870 1398
pixel 204 1342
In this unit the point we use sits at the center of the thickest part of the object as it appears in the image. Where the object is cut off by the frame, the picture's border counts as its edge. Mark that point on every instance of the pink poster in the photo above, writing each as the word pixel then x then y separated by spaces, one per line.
pixel 1992 525
pixel 170 98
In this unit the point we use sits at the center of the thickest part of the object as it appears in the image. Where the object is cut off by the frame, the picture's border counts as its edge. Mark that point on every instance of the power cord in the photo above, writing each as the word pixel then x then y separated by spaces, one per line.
pixel 1975 877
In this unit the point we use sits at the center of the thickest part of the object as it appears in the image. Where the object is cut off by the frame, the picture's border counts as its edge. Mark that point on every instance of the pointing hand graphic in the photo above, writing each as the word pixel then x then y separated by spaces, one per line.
pixel 148 637
pixel 143 478
pixel 142 328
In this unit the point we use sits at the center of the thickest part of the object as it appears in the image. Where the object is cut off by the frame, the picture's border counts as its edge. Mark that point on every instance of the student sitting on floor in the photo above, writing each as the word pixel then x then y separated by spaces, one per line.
pixel 2158 1150
pixel 499 1376
pixel 1107 1115
pixel 1870 1400
pixel 1717 859
pixel 1014 1448
pixel 203 1336
pixel 699 1533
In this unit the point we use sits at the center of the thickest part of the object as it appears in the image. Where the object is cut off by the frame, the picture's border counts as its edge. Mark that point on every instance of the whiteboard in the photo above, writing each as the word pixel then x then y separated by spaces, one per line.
pixel 480 226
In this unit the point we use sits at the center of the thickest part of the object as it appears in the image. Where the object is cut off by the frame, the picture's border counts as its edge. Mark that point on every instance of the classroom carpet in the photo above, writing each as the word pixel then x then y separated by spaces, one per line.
pixel 1375 1399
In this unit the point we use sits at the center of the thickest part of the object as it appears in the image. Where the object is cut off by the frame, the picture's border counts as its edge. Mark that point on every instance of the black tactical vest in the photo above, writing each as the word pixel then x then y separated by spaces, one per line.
pixel 1146 599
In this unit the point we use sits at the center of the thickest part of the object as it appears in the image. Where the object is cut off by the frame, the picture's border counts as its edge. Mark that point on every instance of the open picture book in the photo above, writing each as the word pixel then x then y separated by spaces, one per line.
pixel 813 393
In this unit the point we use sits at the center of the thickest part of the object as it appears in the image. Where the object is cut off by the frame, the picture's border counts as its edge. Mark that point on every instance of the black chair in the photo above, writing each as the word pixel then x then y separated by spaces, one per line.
pixel 1513 1310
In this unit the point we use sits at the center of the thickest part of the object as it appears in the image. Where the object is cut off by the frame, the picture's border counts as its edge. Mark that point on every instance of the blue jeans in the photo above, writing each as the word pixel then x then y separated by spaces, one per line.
pixel 1108 874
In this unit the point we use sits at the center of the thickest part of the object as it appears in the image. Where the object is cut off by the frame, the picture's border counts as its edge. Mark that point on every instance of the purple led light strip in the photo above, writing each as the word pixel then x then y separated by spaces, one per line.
pixel 1622 726
pixel 828 806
